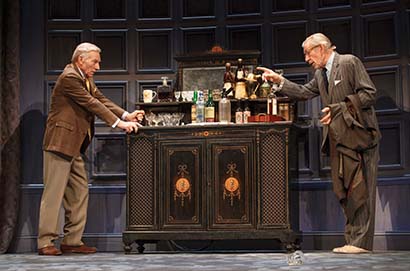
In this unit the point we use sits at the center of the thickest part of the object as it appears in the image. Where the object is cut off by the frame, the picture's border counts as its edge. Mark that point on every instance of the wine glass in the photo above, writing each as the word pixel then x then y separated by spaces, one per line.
pixel 149 117
pixel 156 119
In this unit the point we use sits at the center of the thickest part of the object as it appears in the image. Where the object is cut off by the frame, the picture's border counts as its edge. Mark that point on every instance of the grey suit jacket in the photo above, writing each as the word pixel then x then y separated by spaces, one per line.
pixel 348 76
pixel 72 112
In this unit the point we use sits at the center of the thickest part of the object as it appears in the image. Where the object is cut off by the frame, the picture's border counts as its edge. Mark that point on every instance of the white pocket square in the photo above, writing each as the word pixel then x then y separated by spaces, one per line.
pixel 337 82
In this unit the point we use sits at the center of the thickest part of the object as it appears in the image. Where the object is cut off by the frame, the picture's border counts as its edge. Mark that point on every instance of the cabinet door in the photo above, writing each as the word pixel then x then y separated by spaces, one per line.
pixel 182 192
pixel 231 184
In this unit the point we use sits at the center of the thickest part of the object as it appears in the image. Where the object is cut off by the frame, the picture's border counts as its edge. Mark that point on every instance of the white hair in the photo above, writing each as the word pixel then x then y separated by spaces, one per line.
pixel 83 49
pixel 318 39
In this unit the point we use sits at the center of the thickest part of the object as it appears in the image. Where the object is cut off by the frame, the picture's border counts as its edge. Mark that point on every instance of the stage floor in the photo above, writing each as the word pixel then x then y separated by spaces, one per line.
pixel 390 261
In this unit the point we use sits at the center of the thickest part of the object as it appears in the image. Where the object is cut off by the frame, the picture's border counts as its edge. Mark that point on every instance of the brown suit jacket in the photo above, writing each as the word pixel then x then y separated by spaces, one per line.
pixel 72 112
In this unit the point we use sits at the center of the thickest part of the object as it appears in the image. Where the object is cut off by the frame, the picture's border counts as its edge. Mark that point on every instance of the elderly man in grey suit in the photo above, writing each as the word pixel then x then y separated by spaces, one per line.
pixel 70 127
pixel 339 77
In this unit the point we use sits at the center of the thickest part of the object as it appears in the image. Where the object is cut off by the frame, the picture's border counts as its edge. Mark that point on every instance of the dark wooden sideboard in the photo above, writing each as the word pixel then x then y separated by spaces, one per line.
pixel 209 182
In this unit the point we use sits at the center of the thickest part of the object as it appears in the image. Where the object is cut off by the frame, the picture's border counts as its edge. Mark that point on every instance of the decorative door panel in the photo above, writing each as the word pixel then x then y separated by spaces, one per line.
pixel 181 171
pixel 231 191
pixel 274 170
pixel 141 201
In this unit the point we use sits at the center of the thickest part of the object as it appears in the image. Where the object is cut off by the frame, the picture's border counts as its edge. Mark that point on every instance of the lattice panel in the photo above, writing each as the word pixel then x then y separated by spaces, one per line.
pixel 273 179
pixel 141 182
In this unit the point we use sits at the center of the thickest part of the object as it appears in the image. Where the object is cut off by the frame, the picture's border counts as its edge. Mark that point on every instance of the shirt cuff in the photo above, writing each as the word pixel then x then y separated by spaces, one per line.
pixel 116 123
pixel 282 82
pixel 124 115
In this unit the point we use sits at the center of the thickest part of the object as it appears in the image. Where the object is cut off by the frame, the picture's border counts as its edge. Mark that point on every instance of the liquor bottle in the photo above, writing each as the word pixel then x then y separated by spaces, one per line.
pixel 224 107
pixel 164 91
pixel 200 108
pixel 240 72
pixel 193 107
pixel 272 105
pixel 210 109
pixel 239 114
pixel 246 112
pixel 240 81
pixel 229 78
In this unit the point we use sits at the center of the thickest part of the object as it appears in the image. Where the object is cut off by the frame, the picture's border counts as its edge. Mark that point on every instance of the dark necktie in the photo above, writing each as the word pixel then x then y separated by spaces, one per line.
pixel 325 79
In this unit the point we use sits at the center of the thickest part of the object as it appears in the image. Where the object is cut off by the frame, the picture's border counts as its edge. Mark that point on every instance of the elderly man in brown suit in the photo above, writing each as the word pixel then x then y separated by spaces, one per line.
pixel 337 77
pixel 70 127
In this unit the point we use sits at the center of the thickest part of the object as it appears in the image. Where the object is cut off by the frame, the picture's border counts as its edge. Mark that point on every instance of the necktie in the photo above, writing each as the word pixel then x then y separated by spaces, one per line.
pixel 87 84
pixel 325 79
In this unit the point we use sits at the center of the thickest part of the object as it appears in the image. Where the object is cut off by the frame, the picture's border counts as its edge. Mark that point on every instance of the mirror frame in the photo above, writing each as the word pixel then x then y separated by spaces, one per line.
pixel 214 59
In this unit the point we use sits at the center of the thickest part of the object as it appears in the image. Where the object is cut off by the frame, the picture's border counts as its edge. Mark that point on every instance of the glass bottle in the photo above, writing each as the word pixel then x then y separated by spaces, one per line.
pixel 246 111
pixel 272 105
pixel 240 81
pixel 239 113
pixel 200 108
pixel 164 91
pixel 224 108
pixel 210 109
pixel 193 106
pixel 229 78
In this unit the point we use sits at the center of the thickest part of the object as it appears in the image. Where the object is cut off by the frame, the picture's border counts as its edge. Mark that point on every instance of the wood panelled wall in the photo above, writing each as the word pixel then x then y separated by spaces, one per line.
pixel 139 40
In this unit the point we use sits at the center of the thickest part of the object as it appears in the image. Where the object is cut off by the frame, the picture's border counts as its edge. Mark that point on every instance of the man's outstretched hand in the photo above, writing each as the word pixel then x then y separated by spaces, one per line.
pixel 135 116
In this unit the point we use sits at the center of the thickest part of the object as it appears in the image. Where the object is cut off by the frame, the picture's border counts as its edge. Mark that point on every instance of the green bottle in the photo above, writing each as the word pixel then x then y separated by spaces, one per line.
pixel 193 107
pixel 210 109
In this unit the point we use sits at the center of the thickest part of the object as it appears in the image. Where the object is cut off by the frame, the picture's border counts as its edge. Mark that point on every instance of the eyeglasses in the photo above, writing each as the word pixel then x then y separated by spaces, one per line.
pixel 308 51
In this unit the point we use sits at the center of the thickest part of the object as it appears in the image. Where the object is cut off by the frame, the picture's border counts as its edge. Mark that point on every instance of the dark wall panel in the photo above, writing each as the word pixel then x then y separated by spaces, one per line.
pixel 63 10
pixel 154 9
pixel 244 37
pixel 198 40
pixel 109 159
pixel 60 47
pixel 113 44
pixel 304 164
pixel 154 50
pixel 198 8
pixel 302 106
pixel 334 3
pixel 48 90
pixel 390 150
pixel 379 35
pixel 109 9
pixel 115 91
pixel 286 5
pixel 236 7
pixel 339 31
pixel 388 85
pixel 287 43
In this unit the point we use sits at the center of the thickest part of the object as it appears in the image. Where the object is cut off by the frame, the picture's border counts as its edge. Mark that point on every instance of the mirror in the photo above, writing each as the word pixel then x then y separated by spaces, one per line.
pixel 206 70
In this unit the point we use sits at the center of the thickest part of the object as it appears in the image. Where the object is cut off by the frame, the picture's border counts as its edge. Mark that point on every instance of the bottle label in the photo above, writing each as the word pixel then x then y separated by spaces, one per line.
pixel 239 117
pixel 274 106
pixel 209 114
pixel 239 75
pixel 193 114
pixel 246 114
pixel 200 113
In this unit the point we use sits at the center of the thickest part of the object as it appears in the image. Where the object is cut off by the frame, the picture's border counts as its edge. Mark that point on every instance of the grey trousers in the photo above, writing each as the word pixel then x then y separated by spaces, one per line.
pixel 359 231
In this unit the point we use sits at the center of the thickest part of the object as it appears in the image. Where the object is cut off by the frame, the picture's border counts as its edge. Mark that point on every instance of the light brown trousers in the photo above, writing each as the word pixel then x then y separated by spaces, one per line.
pixel 65 182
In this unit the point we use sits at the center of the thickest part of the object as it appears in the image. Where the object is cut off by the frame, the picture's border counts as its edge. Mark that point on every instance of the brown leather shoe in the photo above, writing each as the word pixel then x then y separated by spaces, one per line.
pixel 83 249
pixel 49 251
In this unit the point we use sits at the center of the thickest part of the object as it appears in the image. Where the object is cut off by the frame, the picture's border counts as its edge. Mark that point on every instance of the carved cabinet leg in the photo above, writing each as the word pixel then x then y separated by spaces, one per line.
pixel 127 245
pixel 140 247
